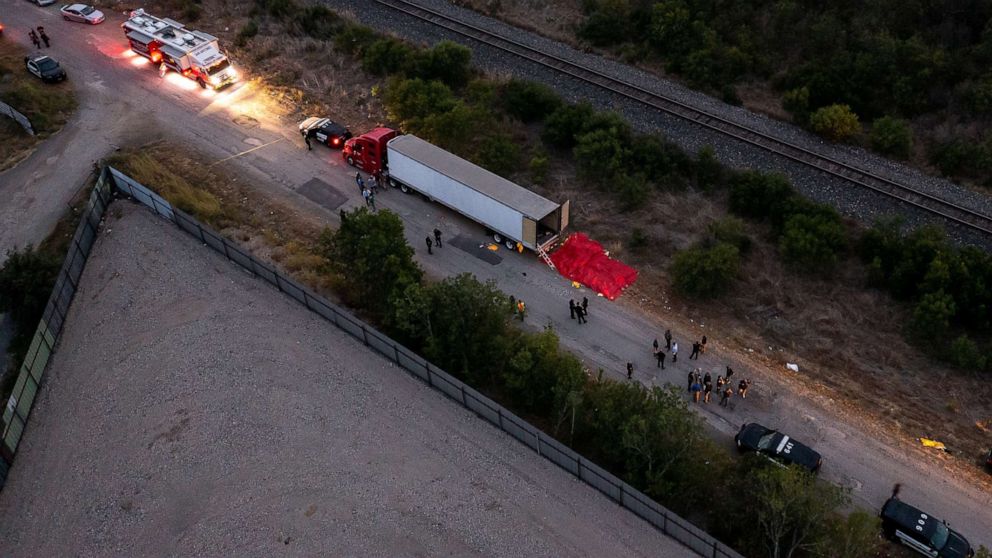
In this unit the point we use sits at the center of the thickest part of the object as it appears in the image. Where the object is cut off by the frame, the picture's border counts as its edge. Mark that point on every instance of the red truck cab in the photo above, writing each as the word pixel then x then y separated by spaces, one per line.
pixel 368 151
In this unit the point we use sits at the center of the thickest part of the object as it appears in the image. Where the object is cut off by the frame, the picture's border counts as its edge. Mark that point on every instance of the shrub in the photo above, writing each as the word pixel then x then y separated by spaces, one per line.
pixel 246 32
pixel 932 318
pixel 447 62
pixel 190 10
pixel 632 190
pixel 278 9
pixel 567 121
pixel 796 101
pixel 408 100
pixel 499 154
pixel 960 157
pixel 539 167
pixel 387 56
pixel 354 39
pixel 660 161
pixel 529 101
pixel 811 242
pixel 318 22
pixel 979 96
pixel 601 155
pixel 758 195
pixel 835 122
pixel 731 231
pixel 709 173
pixel 966 355
pixel 706 272
pixel 26 281
pixel 892 136
pixel 855 536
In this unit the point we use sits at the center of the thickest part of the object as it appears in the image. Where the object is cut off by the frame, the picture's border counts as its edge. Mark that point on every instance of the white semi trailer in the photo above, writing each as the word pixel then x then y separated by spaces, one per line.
pixel 515 216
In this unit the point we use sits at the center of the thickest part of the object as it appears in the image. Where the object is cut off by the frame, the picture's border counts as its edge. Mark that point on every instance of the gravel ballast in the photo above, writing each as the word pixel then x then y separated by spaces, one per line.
pixel 851 200
pixel 193 410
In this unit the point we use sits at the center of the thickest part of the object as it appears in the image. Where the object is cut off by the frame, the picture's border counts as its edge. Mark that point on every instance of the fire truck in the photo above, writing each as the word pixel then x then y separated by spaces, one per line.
pixel 171 46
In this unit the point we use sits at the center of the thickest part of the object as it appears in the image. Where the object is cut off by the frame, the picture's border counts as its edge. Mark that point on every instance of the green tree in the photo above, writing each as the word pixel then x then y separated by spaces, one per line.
pixel 812 242
pixel 730 230
pixel 601 155
pixel 354 39
pixel 835 122
pixel 540 377
pixel 539 167
pixel 796 101
pixel 410 101
pixel 448 62
pixel 387 56
pixel 854 536
pixel 892 136
pixel 370 256
pixel 789 507
pixel 529 101
pixel 710 174
pixel 706 272
pixel 758 195
pixel 499 154
pixel 26 281
pixel 931 319
pixel 966 355
pixel 565 123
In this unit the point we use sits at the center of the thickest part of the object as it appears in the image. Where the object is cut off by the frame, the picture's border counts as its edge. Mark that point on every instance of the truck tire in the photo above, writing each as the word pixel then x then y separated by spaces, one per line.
pixel 498 238
pixel 510 245
pixel 404 188
pixel 201 83
pixel 351 160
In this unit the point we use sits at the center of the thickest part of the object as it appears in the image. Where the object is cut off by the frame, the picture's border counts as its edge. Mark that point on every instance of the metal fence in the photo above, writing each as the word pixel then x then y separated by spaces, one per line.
pixel 17 116
pixel 18 408
pixel 546 446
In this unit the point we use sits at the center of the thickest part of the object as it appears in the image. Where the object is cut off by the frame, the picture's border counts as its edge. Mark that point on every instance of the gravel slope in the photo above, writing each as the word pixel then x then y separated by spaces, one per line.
pixel 849 199
pixel 193 410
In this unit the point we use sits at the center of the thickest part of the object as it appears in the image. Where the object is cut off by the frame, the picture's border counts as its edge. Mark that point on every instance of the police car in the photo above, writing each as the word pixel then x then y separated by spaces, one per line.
pixel 777 446
pixel 922 532
pixel 325 130
pixel 46 68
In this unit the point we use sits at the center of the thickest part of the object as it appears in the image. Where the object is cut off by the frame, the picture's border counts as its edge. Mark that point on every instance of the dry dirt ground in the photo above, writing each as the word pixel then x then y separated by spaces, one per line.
pixel 846 338
pixel 192 410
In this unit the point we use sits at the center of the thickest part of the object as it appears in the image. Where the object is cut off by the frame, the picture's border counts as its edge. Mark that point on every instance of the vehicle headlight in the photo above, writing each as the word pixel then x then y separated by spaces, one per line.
pixel 233 73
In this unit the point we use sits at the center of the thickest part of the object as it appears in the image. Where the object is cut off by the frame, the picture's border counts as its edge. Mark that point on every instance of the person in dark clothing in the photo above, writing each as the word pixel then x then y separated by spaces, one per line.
pixel 306 140
pixel 727 394
pixel 429 244
pixel 580 313
pixel 660 355
pixel 585 305
pixel 655 345
pixel 44 37
pixel 668 339
pixel 730 374
pixel 707 391
pixel 707 379
pixel 695 351
pixel 34 38
pixel 692 377
pixel 437 238
pixel 742 387
pixel 702 345
pixel 630 370
pixel 571 308
pixel 360 182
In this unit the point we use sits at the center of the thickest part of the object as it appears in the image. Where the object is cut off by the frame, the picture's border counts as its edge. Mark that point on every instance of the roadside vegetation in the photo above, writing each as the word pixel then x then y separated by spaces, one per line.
pixel 47 106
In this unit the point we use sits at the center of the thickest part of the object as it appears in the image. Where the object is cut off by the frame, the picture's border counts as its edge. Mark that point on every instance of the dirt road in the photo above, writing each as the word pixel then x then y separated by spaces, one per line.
pixel 122 101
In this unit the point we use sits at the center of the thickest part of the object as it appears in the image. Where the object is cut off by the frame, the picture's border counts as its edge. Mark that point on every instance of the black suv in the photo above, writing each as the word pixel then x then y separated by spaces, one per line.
pixel 47 69
pixel 922 532
pixel 777 446
pixel 326 131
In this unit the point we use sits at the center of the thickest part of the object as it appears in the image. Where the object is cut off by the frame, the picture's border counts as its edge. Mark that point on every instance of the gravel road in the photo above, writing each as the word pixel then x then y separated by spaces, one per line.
pixel 225 127
pixel 193 410
pixel 849 199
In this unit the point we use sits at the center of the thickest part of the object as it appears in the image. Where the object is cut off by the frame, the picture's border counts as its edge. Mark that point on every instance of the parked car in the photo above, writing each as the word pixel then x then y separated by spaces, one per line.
pixel 325 131
pixel 988 460
pixel 777 446
pixel 922 532
pixel 44 2
pixel 81 13
pixel 45 67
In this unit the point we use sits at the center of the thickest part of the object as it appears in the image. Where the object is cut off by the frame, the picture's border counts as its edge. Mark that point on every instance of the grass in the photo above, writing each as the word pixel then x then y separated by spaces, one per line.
pixel 47 106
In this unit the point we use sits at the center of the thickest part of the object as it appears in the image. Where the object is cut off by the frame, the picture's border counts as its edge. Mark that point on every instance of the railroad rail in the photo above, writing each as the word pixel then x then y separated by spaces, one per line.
pixel 930 203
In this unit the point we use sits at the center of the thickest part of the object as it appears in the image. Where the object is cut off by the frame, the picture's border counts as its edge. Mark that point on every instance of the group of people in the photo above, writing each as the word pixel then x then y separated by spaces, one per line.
pixel 39 37
pixel 701 386
pixel 578 310
pixel 436 241
pixel 368 189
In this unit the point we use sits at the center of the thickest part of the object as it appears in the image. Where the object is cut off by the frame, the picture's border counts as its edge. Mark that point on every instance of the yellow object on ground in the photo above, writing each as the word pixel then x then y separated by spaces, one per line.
pixel 576 284
pixel 493 247
pixel 933 444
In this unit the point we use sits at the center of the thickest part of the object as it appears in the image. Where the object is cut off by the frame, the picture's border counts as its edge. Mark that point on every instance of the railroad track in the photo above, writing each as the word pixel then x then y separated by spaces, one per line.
pixel 922 200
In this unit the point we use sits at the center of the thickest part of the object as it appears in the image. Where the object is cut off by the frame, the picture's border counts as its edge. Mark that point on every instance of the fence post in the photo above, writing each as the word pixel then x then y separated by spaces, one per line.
pixel 365 335
pixel 463 396
pixel 714 549
pixel 224 244
pixel 499 413
pixel 537 438
pixel 396 353
pixel 621 494
pixel 430 381
pixel 203 239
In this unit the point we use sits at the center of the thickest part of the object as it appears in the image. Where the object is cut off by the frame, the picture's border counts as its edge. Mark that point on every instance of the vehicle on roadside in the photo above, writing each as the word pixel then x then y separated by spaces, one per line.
pixel 513 215
pixel 325 131
pixel 45 68
pixel 905 524
pixel 171 46
pixel 43 2
pixel 777 447
pixel 81 13
pixel 988 460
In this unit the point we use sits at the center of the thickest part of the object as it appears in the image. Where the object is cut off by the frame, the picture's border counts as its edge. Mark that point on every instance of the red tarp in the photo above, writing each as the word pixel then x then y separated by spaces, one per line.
pixel 584 260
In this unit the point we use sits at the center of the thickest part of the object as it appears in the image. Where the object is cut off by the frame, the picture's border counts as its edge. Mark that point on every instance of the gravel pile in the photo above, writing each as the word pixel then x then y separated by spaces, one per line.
pixel 193 410
pixel 850 199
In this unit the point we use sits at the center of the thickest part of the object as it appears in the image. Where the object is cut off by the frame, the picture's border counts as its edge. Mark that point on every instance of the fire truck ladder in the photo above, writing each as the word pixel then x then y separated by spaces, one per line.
pixel 547 259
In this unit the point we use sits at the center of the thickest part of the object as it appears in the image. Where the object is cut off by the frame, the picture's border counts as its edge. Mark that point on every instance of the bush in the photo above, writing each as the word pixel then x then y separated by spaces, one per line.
pixel 565 123
pixel 410 100
pixel 26 281
pixel 601 156
pixel 278 9
pixel 709 173
pixel 539 167
pixel 387 57
pixel 758 195
pixel 354 39
pixel 529 101
pixel 448 62
pixel 318 22
pixel 835 122
pixel 706 272
pixel 499 154
pixel 246 32
pixel 730 230
pixel 979 96
pixel 855 536
pixel 811 243
pixel 960 156
pixel 796 101
pixel 892 136
pixel 932 318
pixel 660 161
pixel 966 355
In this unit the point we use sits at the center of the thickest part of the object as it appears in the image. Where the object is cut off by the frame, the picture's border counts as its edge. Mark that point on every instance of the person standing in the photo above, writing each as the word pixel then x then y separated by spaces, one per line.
pixel 668 340
pixel 742 387
pixel 437 237
pixel 707 391
pixel 730 374
pixel 34 38
pixel 660 355
pixel 675 352
pixel 360 182
pixel 580 313
pixel 702 345
pixel 691 380
pixel 585 306
pixel 44 37
pixel 695 351
pixel 707 379
pixel 571 308
pixel 655 346
pixel 630 370
pixel 694 389
pixel 306 140
pixel 521 309
pixel 429 244
pixel 720 382
pixel 727 394
pixel 372 200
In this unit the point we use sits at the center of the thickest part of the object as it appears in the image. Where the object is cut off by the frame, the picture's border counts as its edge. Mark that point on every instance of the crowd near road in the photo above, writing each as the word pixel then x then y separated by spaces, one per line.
pixel 124 101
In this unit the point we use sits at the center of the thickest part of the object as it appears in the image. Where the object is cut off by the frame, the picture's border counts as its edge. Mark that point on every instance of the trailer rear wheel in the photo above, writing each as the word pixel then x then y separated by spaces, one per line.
pixel 510 245
pixel 404 188
pixel 498 238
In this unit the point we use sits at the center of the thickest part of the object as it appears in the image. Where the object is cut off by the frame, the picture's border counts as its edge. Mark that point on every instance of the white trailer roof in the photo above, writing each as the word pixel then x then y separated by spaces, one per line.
pixel 496 187
pixel 170 32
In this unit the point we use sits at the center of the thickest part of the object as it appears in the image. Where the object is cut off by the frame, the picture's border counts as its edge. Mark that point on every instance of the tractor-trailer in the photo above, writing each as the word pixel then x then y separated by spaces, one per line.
pixel 514 215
